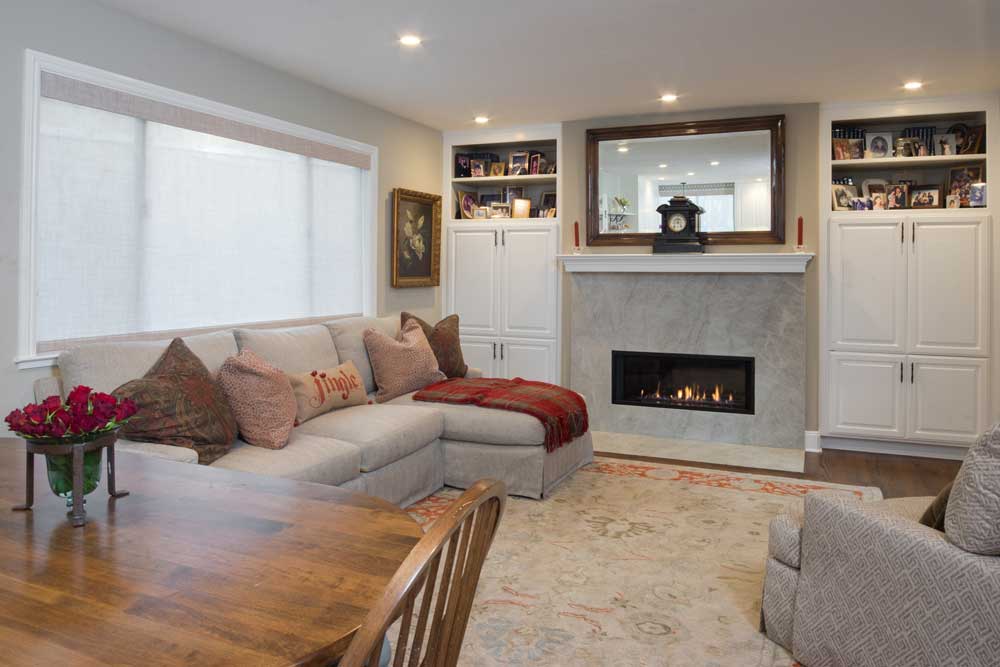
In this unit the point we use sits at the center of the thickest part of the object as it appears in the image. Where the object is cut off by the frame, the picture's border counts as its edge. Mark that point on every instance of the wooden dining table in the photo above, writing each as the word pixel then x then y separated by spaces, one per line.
pixel 197 566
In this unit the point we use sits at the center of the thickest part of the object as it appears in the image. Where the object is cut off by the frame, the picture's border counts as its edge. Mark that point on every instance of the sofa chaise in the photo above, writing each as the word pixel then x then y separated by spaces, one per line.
pixel 402 450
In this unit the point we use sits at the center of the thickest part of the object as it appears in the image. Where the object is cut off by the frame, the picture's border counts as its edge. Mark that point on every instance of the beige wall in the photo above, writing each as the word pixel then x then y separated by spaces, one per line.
pixel 85 32
pixel 801 174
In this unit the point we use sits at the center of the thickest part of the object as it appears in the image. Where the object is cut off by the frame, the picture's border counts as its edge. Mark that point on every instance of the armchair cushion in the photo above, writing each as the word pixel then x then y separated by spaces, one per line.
pixel 973 518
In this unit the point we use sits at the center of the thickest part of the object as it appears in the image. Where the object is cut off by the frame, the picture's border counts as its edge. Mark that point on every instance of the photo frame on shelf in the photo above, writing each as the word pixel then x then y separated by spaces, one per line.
pixel 547 201
pixel 467 202
pixel 842 196
pixel 536 164
pixel 848 149
pixel 477 168
pixel 498 169
pixel 871 185
pixel 520 208
pixel 499 210
pixel 960 180
pixel 926 196
pixel 944 144
pixel 481 213
pixel 512 192
pixel 518 163
pixel 977 195
pixel 488 198
pixel 462 167
pixel 416 239
pixel 953 201
pixel 897 196
pixel 878 145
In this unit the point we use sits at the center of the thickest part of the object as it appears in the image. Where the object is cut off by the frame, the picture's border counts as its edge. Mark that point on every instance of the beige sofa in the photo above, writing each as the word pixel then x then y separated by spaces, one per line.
pixel 401 451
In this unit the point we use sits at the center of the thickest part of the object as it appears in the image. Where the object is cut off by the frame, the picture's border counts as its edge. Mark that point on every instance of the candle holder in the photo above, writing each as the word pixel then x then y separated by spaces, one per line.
pixel 74 470
pixel 800 248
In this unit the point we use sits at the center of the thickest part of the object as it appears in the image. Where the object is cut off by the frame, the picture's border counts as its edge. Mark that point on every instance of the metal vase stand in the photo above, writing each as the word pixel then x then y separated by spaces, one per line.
pixel 78 515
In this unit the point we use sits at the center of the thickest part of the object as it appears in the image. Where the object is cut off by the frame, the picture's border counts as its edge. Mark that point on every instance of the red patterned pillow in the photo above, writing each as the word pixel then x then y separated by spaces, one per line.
pixel 180 404
pixel 261 398
pixel 403 364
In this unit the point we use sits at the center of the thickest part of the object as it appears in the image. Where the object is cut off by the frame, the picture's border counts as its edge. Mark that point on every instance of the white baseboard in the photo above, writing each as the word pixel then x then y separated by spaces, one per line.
pixel 956 453
pixel 813 442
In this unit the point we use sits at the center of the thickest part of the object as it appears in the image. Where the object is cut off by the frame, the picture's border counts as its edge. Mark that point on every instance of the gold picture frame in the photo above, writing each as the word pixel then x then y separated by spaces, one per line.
pixel 416 240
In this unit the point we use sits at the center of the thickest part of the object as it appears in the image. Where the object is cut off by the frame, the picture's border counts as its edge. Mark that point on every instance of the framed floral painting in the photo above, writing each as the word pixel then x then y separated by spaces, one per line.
pixel 416 239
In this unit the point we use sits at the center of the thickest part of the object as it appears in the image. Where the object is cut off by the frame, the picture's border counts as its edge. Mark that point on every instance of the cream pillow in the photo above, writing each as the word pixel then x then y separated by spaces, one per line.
pixel 401 365
pixel 320 391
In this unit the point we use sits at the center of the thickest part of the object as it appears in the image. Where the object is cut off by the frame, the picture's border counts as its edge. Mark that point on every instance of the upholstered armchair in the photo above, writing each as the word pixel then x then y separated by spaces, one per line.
pixel 855 583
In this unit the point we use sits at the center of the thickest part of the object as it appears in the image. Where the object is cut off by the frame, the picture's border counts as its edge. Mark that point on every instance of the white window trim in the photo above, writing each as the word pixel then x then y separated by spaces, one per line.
pixel 36 62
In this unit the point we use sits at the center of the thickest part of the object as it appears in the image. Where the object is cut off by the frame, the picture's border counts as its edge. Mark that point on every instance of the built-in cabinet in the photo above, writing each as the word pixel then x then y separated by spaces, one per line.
pixel 909 322
pixel 503 282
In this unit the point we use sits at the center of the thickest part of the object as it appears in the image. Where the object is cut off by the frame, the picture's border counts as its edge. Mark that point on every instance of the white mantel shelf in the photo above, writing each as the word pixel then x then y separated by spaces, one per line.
pixel 742 262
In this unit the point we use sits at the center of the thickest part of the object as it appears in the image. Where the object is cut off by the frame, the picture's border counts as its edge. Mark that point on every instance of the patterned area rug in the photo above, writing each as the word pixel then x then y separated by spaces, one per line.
pixel 629 563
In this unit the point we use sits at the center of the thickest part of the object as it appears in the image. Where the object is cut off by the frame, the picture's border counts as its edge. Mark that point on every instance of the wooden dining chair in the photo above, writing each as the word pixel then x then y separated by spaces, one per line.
pixel 444 587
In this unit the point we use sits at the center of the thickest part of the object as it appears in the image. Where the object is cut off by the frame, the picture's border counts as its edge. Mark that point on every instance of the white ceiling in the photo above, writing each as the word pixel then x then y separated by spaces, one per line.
pixel 525 61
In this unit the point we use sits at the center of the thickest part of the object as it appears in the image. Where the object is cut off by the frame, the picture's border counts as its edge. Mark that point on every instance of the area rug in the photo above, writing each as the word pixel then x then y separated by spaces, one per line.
pixel 627 563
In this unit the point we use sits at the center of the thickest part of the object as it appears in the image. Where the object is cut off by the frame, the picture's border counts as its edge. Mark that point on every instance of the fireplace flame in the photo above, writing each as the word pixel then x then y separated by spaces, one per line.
pixel 690 394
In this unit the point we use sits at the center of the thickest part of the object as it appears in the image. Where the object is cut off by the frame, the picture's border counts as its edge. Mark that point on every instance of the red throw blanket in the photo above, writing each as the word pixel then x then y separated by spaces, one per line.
pixel 563 413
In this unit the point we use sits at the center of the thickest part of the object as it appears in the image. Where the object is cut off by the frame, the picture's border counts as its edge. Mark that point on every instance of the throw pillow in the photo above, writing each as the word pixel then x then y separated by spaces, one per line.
pixel 444 340
pixel 180 404
pixel 318 392
pixel 261 398
pixel 401 365
pixel 973 518
pixel 934 515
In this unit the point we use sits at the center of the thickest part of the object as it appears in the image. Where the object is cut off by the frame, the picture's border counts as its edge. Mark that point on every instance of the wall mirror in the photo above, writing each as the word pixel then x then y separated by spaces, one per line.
pixel 733 169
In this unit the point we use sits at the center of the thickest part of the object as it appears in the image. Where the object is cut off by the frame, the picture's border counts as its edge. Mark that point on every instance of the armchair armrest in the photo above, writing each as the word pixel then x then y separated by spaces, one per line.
pixel 47 386
pixel 473 373
pixel 879 589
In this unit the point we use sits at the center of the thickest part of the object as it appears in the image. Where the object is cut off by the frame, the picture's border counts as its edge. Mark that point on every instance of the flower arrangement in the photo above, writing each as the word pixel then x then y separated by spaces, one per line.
pixel 85 415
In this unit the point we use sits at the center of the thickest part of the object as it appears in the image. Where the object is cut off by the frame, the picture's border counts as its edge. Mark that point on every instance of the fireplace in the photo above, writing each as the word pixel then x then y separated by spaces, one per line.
pixel 683 381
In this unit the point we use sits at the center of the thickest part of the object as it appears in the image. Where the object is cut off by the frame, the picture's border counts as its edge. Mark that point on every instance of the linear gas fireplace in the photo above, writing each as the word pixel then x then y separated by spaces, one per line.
pixel 683 381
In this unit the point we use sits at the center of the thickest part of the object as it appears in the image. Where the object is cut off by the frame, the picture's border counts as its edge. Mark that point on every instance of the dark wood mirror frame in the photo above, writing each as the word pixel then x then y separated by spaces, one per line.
pixel 776 124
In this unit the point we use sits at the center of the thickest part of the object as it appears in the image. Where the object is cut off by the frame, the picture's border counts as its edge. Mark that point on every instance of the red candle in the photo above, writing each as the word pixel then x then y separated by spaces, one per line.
pixel 576 233
pixel 800 230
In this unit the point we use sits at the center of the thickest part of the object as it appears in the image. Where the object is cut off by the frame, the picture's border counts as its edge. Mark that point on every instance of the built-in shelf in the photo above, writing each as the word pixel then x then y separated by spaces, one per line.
pixel 906 162
pixel 743 262
pixel 506 180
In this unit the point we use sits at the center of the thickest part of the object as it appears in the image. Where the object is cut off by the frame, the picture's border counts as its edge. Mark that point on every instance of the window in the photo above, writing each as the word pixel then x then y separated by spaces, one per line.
pixel 141 226
pixel 717 200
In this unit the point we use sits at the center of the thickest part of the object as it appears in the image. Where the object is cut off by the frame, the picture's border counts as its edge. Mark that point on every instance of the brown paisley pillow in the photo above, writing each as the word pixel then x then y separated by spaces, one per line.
pixel 180 404
pixel 445 342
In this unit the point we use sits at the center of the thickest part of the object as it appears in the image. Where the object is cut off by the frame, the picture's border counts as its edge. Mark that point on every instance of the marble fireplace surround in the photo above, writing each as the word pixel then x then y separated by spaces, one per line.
pixel 718 304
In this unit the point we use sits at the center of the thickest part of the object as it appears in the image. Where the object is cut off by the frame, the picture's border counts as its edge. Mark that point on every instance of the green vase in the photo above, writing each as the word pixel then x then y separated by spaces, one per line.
pixel 60 473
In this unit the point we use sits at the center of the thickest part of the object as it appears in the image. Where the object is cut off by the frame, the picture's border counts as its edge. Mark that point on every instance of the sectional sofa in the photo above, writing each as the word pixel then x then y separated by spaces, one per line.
pixel 402 450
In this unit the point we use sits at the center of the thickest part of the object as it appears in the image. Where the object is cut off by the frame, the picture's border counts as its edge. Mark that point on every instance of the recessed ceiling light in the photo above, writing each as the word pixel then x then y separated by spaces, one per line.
pixel 663 166
pixel 410 40
pixel 760 180
pixel 623 149
pixel 482 120
pixel 714 163
pixel 690 173
pixel 913 85
pixel 669 97
pixel 661 179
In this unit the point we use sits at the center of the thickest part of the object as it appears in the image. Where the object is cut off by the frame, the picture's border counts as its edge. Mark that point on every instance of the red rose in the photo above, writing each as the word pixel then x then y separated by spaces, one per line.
pixel 125 409
pixel 36 413
pixel 52 403
pixel 56 429
pixel 16 420
pixel 79 399
pixel 104 405
pixel 87 423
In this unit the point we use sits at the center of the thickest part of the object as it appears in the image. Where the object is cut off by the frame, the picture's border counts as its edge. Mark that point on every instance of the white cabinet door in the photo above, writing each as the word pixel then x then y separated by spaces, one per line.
pixel 867 285
pixel 949 287
pixel 529 279
pixel 949 398
pixel 482 353
pixel 473 284
pixel 867 395
pixel 529 359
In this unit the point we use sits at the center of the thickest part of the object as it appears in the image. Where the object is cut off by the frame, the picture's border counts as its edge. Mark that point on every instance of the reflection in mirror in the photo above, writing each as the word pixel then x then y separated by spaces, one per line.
pixel 727 174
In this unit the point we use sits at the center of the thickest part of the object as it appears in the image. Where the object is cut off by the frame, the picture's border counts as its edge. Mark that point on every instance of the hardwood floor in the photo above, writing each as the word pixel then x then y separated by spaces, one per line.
pixel 896 476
